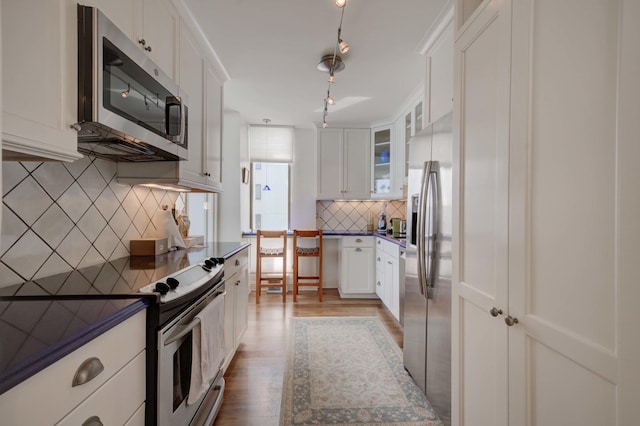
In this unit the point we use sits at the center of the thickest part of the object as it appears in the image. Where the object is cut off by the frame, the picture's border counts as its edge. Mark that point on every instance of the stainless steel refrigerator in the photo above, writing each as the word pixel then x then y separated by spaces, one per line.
pixel 427 301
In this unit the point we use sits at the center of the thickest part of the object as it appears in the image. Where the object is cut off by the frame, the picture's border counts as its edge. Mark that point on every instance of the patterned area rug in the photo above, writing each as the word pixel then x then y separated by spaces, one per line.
pixel 349 371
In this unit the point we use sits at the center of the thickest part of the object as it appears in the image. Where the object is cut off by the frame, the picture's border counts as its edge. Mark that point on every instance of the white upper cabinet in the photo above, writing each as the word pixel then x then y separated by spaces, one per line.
pixel 158 34
pixel 213 127
pixel 387 163
pixel 439 78
pixel 151 24
pixel 39 80
pixel 344 164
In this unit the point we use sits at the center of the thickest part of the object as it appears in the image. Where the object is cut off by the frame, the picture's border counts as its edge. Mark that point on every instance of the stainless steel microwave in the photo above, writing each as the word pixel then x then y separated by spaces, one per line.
pixel 128 108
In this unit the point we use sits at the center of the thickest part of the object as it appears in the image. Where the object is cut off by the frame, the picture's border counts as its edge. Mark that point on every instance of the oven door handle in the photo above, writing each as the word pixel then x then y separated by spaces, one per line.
pixel 183 330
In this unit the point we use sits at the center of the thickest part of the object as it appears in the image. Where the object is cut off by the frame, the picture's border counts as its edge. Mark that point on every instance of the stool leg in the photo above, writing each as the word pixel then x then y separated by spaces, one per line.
pixel 320 277
pixel 284 276
pixel 295 275
pixel 258 272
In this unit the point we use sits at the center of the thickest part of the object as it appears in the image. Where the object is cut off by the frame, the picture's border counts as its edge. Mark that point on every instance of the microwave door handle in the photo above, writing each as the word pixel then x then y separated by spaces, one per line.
pixel 171 103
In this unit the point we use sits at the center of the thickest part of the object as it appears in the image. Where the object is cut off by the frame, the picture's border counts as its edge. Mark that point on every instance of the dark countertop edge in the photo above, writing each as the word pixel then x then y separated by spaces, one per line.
pixel 390 238
pixel 241 247
pixel 43 359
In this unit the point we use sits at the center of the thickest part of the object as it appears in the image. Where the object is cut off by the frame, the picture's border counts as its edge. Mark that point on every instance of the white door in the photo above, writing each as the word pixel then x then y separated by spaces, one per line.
pixel 564 224
pixel 481 166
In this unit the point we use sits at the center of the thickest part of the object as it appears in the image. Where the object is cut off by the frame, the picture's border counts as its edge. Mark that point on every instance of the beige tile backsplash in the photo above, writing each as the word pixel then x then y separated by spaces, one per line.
pixel 60 216
pixel 355 216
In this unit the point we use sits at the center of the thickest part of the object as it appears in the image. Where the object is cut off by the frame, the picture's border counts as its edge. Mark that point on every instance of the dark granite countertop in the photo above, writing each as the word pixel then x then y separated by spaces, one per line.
pixel 43 320
pixel 400 241
pixel 36 332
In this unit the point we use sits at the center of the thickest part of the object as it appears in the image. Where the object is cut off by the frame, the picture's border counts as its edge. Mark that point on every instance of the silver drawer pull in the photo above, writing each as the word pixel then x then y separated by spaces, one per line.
pixel 93 421
pixel 237 262
pixel 358 240
pixel 87 371
pixel 358 249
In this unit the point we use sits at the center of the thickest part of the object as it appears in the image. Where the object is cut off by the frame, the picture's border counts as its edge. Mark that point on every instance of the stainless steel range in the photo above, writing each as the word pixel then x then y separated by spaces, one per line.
pixel 183 297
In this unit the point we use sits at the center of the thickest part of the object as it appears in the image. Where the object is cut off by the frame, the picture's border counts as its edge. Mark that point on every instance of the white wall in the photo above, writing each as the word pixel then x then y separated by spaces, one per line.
pixel 229 204
pixel 304 179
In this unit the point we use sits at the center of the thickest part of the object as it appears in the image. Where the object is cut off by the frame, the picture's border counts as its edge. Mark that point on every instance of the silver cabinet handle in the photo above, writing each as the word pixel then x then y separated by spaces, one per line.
pixel 87 371
pixel 378 283
pixel 495 311
pixel 142 41
pixel 511 320
pixel 238 282
pixel 93 421
pixel 148 48
pixel 237 262
pixel 358 249
pixel 379 242
pixel 358 240
pixel 390 263
pixel 379 259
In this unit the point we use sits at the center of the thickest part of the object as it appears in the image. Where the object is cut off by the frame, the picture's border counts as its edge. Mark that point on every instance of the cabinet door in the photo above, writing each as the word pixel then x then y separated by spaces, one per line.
pixel 241 303
pixel 39 80
pixel 398 157
pixel 564 286
pixel 229 317
pixel 393 279
pixel 191 85
pixel 330 158
pixel 381 161
pixel 379 273
pixel 481 167
pixel 160 34
pixel 357 163
pixel 440 76
pixel 213 126
pixel 120 12
pixel 357 270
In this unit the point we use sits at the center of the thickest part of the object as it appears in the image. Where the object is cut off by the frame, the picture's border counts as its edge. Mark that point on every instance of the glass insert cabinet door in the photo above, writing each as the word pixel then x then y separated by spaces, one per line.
pixel 381 161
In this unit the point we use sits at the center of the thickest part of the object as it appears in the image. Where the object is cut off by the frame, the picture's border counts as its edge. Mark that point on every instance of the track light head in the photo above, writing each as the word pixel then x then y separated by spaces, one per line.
pixel 341 3
pixel 343 46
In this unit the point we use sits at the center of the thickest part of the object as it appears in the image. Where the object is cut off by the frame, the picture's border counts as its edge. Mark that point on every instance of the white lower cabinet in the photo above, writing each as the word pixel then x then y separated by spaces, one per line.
pixel 357 268
pixel 236 301
pixel 388 275
pixel 114 395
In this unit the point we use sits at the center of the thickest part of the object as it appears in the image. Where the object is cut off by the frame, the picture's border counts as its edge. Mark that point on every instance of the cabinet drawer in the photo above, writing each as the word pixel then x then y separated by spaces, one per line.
pixel 357 241
pixel 117 400
pixel 51 389
pixel 389 247
pixel 236 262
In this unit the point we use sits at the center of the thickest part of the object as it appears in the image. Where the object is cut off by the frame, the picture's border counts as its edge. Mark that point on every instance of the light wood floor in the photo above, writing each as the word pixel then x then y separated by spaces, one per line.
pixel 254 377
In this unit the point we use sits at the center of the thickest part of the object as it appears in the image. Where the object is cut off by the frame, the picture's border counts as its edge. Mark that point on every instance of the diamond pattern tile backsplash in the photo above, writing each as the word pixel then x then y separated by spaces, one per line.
pixel 356 216
pixel 60 216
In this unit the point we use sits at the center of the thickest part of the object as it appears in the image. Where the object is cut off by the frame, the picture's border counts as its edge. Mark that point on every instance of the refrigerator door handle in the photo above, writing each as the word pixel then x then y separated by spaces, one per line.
pixel 433 236
pixel 420 238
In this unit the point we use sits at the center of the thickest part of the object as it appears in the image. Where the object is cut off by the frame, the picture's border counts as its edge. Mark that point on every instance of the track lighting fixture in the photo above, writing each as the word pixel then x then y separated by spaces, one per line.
pixel 332 63
pixel 343 46
pixel 125 93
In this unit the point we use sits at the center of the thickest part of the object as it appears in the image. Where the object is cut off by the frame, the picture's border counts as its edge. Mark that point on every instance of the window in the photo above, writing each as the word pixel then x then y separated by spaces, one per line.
pixel 270 196
pixel 271 153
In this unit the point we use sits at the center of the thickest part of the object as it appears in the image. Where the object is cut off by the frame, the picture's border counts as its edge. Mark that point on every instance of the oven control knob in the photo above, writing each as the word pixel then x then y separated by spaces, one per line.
pixel 220 260
pixel 162 288
pixel 173 283
pixel 209 264
pixel 213 260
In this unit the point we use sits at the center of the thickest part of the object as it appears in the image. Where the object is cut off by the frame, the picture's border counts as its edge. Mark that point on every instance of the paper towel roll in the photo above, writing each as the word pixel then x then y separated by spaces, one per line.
pixel 163 225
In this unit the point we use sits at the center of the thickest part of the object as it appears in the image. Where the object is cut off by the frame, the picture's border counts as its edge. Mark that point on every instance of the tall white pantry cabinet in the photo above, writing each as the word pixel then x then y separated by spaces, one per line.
pixel 546 289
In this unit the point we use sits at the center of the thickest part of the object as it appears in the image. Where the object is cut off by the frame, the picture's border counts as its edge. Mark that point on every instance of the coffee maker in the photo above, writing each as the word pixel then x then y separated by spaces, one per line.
pixel 399 228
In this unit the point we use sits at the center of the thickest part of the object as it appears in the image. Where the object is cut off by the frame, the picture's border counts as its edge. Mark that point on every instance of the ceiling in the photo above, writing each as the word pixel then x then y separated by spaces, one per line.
pixel 271 48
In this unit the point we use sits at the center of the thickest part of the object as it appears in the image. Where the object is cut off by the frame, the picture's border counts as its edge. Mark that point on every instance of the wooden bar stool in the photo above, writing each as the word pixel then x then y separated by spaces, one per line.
pixel 271 253
pixel 307 252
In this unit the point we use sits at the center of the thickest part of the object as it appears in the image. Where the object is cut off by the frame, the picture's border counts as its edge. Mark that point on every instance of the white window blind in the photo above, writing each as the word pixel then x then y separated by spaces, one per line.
pixel 277 149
